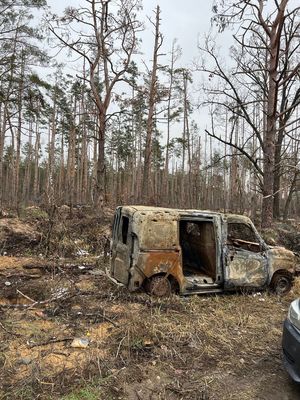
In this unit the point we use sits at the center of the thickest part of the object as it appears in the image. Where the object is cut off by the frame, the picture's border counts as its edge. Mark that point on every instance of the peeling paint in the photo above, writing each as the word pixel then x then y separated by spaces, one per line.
pixel 202 251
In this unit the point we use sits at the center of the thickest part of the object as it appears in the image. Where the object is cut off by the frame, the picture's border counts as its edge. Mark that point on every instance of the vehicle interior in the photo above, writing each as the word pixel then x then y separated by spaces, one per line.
pixel 198 244
pixel 242 236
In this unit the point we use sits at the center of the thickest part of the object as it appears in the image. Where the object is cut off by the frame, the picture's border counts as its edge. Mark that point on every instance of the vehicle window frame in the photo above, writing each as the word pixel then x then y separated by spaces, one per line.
pixel 121 229
pixel 245 244
pixel 116 226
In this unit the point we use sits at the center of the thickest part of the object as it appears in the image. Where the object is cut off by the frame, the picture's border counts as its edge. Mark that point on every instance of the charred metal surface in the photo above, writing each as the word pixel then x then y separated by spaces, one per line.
pixel 156 229
pixel 282 259
pixel 245 269
pixel 156 263
pixel 202 251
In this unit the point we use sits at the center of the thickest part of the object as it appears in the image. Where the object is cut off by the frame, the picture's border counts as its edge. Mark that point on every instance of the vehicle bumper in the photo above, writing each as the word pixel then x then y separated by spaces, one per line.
pixel 291 350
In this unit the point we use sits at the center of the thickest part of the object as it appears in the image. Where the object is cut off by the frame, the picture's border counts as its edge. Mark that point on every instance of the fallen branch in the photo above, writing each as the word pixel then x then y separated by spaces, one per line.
pixel 51 300
pixel 10 332
pixel 24 295
pixel 26 276
pixel 102 316
pixel 120 344
pixel 50 341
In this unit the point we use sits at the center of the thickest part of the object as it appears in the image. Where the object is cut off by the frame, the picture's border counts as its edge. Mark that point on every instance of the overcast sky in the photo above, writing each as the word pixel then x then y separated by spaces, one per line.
pixel 180 19
pixel 184 20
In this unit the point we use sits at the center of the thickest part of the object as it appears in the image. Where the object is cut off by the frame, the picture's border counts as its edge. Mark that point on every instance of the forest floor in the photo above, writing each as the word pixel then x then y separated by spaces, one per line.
pixel 53 290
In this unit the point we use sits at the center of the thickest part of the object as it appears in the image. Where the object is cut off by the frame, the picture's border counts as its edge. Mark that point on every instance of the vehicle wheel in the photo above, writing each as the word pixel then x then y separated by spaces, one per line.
pixel 159 286
pixel 281 284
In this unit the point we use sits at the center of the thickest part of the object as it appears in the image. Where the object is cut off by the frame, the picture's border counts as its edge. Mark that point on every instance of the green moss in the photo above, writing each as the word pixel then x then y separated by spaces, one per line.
pixel 33 213
pixel 88 393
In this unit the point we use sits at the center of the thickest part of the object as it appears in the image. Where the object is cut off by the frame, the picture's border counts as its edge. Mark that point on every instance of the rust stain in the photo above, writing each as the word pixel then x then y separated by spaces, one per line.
pixel 156 245
pixel 163 262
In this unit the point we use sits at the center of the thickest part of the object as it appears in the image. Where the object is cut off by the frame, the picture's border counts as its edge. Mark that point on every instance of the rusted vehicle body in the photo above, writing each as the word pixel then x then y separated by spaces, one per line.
pixel 193 251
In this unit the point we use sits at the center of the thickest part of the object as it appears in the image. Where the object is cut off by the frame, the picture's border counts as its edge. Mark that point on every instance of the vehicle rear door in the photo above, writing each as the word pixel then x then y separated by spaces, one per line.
pixel 121 247
pixel 244 259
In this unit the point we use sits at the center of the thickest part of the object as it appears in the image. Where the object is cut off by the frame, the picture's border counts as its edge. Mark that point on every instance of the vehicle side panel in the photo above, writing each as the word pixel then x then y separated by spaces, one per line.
pixel 281 259
pixel 245 269
pixel 156 262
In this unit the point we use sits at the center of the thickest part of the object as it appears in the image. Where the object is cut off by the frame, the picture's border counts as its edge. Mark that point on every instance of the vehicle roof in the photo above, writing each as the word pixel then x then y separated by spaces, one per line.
pixel 174 212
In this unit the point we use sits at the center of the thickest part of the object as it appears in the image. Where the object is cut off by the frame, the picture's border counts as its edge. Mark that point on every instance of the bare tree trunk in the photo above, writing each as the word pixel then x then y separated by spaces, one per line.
pixel 27 166
pixel 234 171
pixel 19 134
pixel 150 119
pixel 61 178
pixel 5 121
pixel 174 56
pixel 2 139
pixel 187 137
pixel 270 134
pixel 37 146
pixel 71 168
pixel 290 195
pixel 51 158
pixel 277 173
pixel 101 162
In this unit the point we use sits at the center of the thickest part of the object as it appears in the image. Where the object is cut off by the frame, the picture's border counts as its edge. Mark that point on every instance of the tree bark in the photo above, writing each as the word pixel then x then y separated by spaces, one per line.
pixel 150 120
pixel 270 134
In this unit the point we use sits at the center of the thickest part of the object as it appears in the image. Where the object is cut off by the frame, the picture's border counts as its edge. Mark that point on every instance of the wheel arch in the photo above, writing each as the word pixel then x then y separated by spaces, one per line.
pixel 173 281
pixel 283 272
pixel 284 275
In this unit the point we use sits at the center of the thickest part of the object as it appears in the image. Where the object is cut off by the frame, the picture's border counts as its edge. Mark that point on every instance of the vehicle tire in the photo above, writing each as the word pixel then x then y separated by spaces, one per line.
pixel 281 284
pixel 159 286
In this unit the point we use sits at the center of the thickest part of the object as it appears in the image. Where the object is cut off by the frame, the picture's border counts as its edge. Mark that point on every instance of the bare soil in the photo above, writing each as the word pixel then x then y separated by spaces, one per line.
pixel 224 347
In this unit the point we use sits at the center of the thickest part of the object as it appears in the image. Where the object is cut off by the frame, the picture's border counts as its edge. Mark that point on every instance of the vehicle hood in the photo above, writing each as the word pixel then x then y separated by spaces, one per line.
pixel 282 258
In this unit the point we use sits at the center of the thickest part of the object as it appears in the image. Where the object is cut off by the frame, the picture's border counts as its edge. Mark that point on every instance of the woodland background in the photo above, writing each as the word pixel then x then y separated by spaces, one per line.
pixel 121 130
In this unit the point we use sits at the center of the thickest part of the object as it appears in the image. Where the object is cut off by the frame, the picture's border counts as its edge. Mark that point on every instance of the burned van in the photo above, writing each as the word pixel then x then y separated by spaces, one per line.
pixel 193 251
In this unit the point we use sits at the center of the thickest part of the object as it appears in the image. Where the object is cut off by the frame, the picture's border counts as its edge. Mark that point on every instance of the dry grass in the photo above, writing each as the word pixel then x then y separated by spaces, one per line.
pixel 204 340
pixel 224 347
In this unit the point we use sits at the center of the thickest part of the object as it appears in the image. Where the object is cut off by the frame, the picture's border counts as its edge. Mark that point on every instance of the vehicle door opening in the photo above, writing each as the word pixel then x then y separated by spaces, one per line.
pixel 121 247
pixel 198 244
